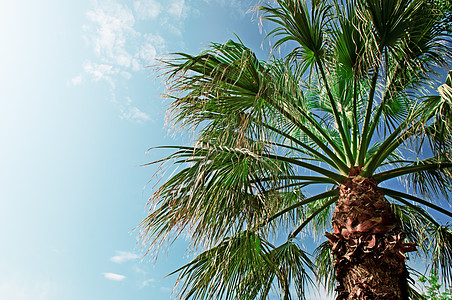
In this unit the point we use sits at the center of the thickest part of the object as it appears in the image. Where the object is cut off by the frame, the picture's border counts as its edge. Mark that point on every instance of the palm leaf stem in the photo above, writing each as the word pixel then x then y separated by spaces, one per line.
pixel 296 184
pixel 391 142
pixel 335 156
pixel 334 176
pixel 393 194
pixel 399 161
pixel 376 119
pixel 365 138
pixel 355 119
pixel 310 150
pixel 417 208
pixel 307 154
pixel 380 177
pixel 191 153
pixel 386 94
pixel 314 214
pixel 330 193
pixel 344 137
pixel 389 145
pixel 314 179
pixel 324 134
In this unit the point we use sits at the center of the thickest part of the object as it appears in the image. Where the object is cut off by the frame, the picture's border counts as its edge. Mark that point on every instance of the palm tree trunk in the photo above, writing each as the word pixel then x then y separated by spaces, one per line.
pixel 367 247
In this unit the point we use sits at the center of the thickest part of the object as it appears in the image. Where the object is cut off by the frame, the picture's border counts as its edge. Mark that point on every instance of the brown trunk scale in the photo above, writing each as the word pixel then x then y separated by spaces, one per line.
pixel 367 247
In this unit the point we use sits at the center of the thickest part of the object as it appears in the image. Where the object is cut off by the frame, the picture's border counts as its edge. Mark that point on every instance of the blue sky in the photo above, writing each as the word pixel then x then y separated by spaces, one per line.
pixel 78 111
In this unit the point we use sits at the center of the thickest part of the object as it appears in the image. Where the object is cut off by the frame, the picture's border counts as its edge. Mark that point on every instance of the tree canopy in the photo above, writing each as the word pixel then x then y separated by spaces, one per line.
pixel 354 98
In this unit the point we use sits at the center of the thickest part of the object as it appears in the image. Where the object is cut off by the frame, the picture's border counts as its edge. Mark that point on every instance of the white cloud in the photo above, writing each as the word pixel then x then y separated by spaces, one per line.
pixel 114 25
pixel 147 9
pixel 147 53
pixel 114 32
pixel 148 282
pixel 239 6
pixel 157 40
pixel 165 289
pixel 114 277
pixel 134 114
pixel 126 75
pixel 117 42
pixel 77 80
pixel 101 72
pixel 123 256
pixel 177 8
pixel 139 270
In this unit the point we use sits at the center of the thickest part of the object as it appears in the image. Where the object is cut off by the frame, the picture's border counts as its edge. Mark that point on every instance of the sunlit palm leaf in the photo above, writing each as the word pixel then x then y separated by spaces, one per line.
pixel 324 266
pixel 299 24
pixel 245 267
pixel 440 248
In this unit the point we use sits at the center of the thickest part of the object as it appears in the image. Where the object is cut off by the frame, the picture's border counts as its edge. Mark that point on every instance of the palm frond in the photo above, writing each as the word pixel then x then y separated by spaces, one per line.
pixel 301 25
pixel 434 182
pixel 215 177
pixel 324 262
pixel 440 248
pixel 352 50
pixel 414 221
pixel 397 194
pixel 223 272
pixel 245 266
pixel 413 292
pixel 294 264
pixel 237 99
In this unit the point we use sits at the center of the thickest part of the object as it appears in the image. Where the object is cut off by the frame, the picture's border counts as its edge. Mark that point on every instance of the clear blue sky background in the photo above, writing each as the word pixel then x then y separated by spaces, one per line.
pixel 78 110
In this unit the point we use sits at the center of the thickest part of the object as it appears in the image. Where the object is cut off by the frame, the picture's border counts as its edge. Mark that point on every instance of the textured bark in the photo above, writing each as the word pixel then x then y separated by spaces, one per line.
pixel 367 246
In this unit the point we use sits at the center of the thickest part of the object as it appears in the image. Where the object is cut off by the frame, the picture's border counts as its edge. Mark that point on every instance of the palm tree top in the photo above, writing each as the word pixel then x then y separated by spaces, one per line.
pixel 354 100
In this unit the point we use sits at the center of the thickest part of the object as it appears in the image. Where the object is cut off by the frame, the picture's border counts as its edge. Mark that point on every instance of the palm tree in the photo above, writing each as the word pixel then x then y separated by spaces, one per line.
pixel 313 142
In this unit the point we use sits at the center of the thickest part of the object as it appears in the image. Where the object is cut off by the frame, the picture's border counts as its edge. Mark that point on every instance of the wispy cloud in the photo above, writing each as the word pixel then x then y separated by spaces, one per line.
pixel 133 113
pixel 152 283
pixel 147 9
pixel 114 24
pixel 122 48
pixel 238 6
pixel 77 80
pixel 138 270
pixel 123 256
pixel 98 72
pixel 176 8
pixel 114 31
pixel 21 290
pixel 114 277
pixel 148 282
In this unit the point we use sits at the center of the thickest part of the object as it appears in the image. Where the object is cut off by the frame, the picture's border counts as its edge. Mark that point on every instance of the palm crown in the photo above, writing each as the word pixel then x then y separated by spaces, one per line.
pixel 280 142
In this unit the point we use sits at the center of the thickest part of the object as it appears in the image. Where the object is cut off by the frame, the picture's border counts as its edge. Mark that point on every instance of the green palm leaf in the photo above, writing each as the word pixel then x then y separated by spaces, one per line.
pixel 246 267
